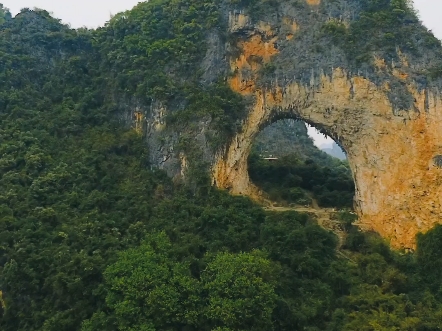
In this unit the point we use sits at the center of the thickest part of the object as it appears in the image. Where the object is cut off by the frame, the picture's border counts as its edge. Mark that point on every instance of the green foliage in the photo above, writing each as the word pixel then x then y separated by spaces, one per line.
pixel 388 293
pixel 241 291
pixel 435 72
pixel 70 177
pixel 347 219
pixel 381 28
pixel 215 222
pixel 91 239
pixel 267 69
pixel 5 15
pixel 302 171
pixel 140 44
pixel 379 311
pixel 147 289
pixel 386 23
pixel 336 29
pixel 429 258
pixel 293 180
pixel 219 104
pixel 256 8
pixel 154 53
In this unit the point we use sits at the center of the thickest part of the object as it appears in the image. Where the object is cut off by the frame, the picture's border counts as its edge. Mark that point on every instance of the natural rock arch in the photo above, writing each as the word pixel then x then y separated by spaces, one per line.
pixel 394 154
pixel 378 98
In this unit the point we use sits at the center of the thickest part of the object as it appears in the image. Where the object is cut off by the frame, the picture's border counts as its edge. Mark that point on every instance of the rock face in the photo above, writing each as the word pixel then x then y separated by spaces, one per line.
pixel 395 155
pixel 386 116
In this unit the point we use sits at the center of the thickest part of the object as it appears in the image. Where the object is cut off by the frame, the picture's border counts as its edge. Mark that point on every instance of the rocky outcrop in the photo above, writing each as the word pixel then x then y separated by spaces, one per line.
pixel 382 109
pixel 395 155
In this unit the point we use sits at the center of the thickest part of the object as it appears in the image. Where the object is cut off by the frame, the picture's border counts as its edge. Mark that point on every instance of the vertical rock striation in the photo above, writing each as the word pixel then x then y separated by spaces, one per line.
pixel 366 73
pixel 395 155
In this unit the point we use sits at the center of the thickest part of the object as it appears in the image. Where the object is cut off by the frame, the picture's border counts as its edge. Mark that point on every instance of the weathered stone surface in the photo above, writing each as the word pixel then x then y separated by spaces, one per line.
pixel 394 154
pixel 384 112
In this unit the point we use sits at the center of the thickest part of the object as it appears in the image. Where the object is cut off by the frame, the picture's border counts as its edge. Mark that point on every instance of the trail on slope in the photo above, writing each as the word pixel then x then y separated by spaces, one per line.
pixel 326 218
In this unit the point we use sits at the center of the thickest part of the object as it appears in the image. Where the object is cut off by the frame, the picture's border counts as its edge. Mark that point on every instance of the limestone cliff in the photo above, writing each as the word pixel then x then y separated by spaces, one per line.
pixel 392 153
pixel 305 60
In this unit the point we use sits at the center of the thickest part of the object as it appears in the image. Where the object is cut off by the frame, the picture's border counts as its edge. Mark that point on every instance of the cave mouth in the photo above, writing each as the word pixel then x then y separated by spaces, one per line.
pixel 286 164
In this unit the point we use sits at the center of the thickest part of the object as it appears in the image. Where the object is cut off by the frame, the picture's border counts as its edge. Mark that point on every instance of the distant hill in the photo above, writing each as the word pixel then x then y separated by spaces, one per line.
pixel 335 151
pixel 290 137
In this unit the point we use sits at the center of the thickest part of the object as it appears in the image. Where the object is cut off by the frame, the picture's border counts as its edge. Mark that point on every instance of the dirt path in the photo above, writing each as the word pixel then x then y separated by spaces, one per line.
pixel 326 218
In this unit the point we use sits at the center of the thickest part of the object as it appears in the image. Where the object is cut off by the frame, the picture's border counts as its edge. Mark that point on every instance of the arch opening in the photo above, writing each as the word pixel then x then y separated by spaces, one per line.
pixel 292 164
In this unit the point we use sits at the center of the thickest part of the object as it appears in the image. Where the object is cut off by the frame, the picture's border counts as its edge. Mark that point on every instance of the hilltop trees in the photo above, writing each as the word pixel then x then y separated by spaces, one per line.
pixel 5 14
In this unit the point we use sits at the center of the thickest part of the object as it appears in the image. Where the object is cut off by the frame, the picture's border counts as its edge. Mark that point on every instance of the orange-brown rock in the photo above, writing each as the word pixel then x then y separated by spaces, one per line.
pixel 314 2
pixel 391 153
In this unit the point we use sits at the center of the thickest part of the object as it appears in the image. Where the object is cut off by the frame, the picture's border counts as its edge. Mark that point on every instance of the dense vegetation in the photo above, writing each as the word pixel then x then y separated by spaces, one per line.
pixel 386 24
pixel 291 179
pixel 92 239
pixel 302 173
pixel 153 54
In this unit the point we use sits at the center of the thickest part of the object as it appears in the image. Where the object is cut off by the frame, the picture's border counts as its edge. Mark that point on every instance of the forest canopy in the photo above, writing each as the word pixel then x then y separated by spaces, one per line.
pixel 93 237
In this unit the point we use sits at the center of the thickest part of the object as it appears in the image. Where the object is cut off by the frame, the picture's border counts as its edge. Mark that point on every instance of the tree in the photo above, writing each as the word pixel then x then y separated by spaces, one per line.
pixel 5 14
pixel 370 309
pixel 241 291
pixel 429 258
pixel 147 290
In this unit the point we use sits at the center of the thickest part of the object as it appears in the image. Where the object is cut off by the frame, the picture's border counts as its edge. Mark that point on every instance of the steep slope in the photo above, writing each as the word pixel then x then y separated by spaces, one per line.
pixel 199 80
pixel 376 96
pixel 94 237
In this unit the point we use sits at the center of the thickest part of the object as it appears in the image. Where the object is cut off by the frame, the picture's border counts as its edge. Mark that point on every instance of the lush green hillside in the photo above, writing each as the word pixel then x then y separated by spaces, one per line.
pixel 92 237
